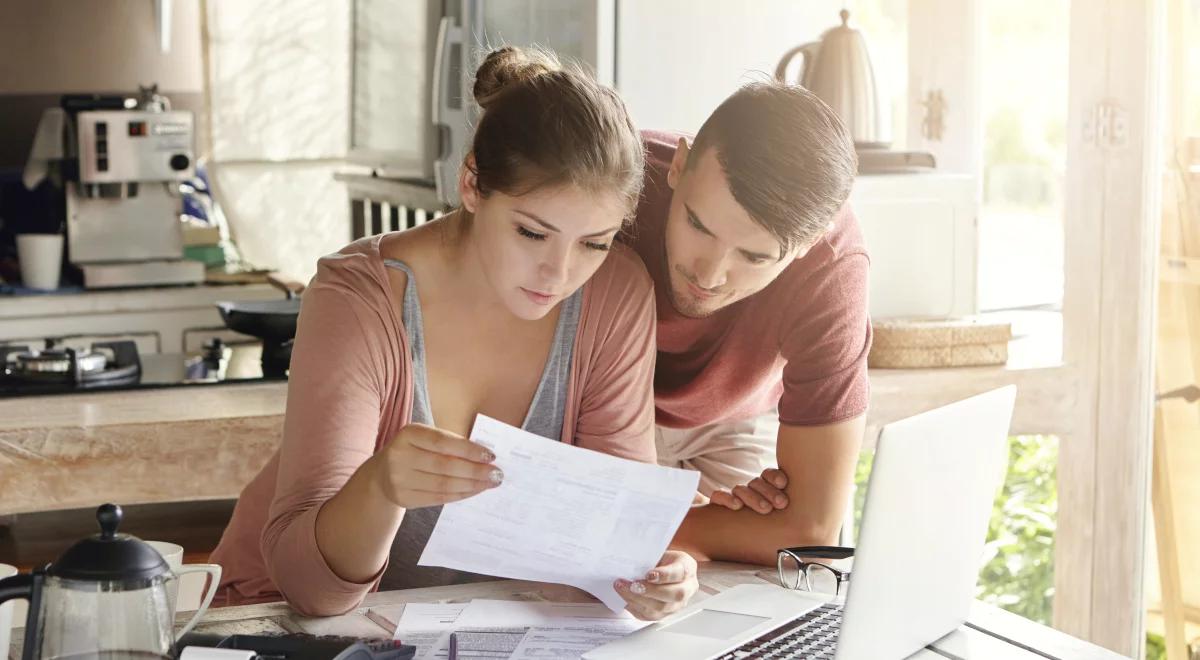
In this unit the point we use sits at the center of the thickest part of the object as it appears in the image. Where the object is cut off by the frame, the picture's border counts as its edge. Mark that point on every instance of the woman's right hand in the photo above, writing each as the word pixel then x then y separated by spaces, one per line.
pixel 425 466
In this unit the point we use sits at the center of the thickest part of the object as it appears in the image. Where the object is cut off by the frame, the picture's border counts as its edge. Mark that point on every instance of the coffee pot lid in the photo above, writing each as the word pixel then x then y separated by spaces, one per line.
pixel 843 31
pixel 109 555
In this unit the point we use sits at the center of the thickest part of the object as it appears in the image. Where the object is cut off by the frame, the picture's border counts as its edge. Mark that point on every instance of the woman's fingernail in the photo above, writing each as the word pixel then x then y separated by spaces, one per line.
pixel 637 588
pixel 621 584
pixel 496 476
pixel 652 576
pixel 779 501
pixel 487 456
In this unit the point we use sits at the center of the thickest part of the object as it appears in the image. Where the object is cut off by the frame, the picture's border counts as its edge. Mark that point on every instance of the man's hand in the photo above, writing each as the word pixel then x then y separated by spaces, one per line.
pixel 763 494
pixel 665 589
pixel 819 464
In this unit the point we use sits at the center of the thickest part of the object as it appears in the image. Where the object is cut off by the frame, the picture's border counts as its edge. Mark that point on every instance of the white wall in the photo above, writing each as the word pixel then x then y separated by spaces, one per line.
pixel 678 59
pixel 52 46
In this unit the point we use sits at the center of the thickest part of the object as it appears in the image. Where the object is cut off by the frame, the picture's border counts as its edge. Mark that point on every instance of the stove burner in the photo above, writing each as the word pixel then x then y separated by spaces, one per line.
pixel 57 361
pixel 55 368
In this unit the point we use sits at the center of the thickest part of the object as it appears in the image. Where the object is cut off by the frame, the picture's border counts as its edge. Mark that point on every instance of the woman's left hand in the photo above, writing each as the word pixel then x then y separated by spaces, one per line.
pixel 663 590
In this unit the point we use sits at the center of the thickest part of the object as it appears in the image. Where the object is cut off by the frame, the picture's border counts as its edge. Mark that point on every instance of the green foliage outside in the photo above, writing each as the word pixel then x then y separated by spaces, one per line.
pixel 1018 574
pixel 1156 648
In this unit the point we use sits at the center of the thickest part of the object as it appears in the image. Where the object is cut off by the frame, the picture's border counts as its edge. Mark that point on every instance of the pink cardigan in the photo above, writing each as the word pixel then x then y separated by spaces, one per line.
pixel 350 391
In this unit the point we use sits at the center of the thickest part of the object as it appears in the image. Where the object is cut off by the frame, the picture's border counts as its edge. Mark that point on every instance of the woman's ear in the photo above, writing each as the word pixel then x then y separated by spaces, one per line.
pixel 678 163
pixel 468 185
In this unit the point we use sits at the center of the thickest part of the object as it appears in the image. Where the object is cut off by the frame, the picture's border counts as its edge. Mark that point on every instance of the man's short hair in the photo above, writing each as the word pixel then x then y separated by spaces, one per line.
pixel 789 159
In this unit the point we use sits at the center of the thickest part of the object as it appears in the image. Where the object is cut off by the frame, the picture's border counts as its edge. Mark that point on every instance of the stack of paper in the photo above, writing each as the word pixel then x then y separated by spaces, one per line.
pixel 420 624
pixel 508 629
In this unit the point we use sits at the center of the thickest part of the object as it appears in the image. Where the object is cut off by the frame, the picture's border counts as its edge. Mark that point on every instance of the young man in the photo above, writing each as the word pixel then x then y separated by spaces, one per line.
pixel 761 283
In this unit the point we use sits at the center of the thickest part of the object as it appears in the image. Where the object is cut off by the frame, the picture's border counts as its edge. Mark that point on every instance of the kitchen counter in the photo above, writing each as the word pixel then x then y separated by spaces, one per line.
pixel 173 444
pixel 110 301
pixel 195 443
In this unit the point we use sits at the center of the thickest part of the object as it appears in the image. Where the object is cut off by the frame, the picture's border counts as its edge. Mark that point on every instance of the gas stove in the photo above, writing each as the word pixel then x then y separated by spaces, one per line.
pixel 105 364
pixel 57 368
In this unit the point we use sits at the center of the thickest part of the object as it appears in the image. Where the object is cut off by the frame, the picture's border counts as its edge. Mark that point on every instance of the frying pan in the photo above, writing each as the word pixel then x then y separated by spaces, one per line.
pixel 273 321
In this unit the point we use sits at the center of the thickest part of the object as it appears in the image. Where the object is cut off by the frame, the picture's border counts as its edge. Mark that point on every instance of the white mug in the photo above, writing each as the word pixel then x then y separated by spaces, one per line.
pixel 6 614
pixel 188 592
pixel 40 256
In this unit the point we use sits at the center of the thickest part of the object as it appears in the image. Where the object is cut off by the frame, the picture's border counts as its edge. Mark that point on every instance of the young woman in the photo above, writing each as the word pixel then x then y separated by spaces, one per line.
pixel 517 305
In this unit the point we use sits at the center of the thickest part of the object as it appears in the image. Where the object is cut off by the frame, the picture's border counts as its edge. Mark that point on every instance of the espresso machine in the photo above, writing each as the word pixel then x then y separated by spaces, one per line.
pixel 122 200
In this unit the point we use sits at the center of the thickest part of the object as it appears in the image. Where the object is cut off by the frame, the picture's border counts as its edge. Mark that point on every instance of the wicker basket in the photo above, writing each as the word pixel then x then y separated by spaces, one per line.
pixel 922 343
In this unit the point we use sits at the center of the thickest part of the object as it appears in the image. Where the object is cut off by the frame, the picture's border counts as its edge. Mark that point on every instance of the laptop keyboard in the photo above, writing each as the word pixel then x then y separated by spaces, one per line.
pixel 811 635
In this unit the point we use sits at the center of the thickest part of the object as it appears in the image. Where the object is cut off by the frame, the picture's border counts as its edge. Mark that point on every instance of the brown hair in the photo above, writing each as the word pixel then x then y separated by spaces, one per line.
pixel 789 160
pixel 546 125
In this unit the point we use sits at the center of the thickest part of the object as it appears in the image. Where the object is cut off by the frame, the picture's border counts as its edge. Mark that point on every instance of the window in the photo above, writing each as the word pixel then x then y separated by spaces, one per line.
pixel 1024 102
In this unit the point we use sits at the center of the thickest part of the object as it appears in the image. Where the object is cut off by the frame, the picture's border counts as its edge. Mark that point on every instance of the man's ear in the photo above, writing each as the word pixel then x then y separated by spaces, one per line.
pixel 468 184
pixel 804 250
pixel 678 163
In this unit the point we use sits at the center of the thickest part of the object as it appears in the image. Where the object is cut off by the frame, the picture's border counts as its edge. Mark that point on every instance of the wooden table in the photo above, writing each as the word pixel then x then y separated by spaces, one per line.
pixel 991 633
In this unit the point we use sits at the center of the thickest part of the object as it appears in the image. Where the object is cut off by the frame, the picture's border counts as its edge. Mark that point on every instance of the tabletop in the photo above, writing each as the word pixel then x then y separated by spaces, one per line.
pixel 990 632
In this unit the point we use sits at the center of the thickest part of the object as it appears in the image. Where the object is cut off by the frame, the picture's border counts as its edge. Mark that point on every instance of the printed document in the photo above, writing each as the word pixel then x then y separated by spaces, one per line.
pixel 553 631
pixel 423 624
pixel 511 629
pixel 563 514
pixel 490 613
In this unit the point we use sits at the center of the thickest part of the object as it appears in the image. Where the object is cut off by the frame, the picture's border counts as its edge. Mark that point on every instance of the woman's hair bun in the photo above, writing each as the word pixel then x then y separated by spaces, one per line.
pixel 508 66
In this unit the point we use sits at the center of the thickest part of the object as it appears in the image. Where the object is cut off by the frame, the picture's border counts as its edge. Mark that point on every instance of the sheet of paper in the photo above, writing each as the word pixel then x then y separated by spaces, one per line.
pixel 480 644
pixel 563 643
pixel 563 514
pixel 430 616
pixel 511 629
pixel 424 624
pixel 488 613
pixel 554 630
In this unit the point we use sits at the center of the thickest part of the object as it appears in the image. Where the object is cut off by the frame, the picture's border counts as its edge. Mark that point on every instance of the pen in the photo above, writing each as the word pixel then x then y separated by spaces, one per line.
pixel 453 651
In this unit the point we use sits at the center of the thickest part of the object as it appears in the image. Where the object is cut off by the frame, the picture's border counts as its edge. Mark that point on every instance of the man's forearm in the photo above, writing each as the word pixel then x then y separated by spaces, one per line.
pixel 712 532
pixel 819 464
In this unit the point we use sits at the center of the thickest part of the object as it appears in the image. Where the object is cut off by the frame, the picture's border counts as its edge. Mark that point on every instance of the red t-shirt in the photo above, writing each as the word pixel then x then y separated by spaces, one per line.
pixel 800 343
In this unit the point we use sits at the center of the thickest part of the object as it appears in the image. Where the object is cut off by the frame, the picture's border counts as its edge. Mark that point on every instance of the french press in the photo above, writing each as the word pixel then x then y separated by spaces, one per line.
pixel 107 597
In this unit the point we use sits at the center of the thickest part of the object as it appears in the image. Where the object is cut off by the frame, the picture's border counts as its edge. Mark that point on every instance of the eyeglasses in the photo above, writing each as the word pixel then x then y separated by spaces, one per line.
pixel 797 572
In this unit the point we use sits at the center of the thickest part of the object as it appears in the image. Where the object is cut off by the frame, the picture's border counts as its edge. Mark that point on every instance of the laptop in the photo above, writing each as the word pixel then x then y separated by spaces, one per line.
pixel 929 500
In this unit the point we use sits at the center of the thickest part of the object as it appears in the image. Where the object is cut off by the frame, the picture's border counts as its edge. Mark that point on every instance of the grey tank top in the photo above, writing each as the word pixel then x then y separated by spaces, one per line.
pixel 544 418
